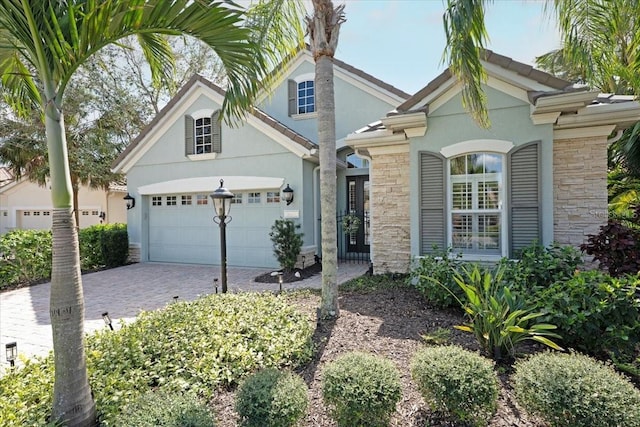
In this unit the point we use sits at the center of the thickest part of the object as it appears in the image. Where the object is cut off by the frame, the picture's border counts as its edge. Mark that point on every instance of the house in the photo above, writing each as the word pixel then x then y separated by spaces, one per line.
pixel 26 205
pixel 180 158
pixel 539 173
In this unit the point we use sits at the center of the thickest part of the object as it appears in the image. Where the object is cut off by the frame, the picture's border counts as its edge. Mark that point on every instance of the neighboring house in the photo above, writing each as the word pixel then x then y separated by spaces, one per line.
pixel 178 160
pixel 539 173
pixel 26 205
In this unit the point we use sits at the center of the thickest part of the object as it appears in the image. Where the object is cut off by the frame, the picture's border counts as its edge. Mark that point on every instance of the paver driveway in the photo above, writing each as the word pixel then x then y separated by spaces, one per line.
pixel 124 292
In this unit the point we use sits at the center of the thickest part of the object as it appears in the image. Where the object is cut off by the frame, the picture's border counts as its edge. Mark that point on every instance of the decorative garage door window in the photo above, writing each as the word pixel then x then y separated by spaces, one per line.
pixel 476 189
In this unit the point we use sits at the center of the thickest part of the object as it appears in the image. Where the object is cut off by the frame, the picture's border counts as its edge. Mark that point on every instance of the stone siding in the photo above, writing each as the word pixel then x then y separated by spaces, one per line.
pixel 579 188
pixel 391 228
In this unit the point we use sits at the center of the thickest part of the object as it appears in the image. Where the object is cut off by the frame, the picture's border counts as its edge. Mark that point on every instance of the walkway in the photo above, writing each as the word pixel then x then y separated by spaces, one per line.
pixel 124 292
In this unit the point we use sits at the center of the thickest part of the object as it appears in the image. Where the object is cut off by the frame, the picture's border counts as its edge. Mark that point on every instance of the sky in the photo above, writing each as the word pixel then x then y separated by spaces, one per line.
pixel 401 41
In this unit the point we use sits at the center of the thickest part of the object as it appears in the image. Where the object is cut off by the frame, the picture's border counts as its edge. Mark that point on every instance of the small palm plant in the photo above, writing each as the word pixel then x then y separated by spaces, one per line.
pixel 498 318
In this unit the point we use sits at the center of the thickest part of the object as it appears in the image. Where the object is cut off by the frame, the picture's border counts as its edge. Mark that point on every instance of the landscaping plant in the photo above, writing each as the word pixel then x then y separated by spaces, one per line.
pixel 287 243
pixel 456 382
pixel 25 256
pixel 271 398
pixel 361 389
pixel 499 319
pixel 433 275
pixel 574 390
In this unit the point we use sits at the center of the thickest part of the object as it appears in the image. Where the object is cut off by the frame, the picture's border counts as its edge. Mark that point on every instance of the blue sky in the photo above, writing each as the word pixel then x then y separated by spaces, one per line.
pixel 401 41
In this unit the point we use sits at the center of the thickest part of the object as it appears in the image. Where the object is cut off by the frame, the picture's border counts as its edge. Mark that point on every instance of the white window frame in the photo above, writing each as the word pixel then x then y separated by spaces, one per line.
pixel 198 115
pixel 301 79
pixel 254 198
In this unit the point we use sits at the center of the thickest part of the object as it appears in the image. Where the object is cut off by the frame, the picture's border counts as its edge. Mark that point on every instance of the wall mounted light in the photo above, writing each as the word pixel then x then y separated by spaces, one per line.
pixel 287 195
pixel 107 320
pixel 131 202
pixel 12 353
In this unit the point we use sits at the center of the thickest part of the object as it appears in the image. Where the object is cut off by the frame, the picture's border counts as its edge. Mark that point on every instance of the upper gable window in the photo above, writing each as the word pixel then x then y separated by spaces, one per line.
pixel 203 135
pixel 302 96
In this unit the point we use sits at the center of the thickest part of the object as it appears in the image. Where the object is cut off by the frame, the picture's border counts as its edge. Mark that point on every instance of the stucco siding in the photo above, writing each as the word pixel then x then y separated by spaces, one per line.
pixel 580 188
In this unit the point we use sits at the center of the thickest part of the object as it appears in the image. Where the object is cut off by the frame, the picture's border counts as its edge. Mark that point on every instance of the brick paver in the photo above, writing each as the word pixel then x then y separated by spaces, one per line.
pixel 124 292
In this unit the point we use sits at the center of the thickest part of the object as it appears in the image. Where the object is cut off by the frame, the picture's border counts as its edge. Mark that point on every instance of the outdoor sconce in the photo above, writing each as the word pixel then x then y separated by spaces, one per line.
pixel 107 319
pixel 287 195
pixel 131 202
pixel 222 206
pixel 12 353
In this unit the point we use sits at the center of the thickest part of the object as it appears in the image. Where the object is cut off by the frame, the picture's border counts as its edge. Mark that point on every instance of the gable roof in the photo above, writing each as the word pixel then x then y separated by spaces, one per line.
pixel 5 176
pixel 296 139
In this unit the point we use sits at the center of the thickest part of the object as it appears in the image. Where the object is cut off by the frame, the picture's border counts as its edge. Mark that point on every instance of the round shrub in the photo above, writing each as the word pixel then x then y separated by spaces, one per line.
pixel 457 382
pixel 575 390
pixel 272 398
pixel 166 408
pixel 361 389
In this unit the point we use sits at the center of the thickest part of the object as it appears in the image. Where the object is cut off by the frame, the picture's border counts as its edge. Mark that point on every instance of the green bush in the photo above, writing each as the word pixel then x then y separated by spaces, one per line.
pixel 286 243
pixel 201 345
pixel 361 389
pixel 536 267
pixel 103 245
pixel 499 319
pixel 594 312
pixel 25 256
pixel 433 276
pixel 271 398
pixel 166 408
pixel 456 382
pixel 574 390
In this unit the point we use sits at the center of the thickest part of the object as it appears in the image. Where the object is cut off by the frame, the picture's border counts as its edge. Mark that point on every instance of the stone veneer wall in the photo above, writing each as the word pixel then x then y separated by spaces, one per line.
pixel 579 188
pixel 390 219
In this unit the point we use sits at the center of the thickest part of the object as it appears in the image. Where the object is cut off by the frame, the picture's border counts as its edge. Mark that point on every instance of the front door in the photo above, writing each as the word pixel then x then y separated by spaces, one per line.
pixel 358 204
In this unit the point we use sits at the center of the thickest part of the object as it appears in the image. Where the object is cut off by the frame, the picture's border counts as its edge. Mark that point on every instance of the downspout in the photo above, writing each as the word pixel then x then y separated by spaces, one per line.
pixel 371 202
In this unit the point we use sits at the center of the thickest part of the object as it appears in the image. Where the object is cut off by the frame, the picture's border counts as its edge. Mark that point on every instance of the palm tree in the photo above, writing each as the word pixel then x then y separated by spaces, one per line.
pixel 324 28
pixel 43 42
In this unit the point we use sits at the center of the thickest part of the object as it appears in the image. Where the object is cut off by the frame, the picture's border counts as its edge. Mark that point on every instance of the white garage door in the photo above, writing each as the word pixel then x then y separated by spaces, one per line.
pixel 34 220
pixel 181 229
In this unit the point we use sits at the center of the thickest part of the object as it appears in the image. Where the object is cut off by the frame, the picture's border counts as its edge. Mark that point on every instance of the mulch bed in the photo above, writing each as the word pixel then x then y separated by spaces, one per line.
pixel 390 323
pixel 291 275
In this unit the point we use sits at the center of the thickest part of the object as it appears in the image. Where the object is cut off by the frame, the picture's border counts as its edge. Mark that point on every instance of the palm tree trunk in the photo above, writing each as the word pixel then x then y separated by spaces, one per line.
pixel 324 28
pixel 72 400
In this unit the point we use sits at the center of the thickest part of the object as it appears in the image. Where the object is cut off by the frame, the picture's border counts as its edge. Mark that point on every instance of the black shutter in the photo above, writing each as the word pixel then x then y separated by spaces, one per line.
pixel 432 202
pixel 216 132
pixel 524 197
pixel 188 135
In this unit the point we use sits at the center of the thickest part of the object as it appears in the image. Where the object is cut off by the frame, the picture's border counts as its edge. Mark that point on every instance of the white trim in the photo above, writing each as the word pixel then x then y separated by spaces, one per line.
pixel 305 78
pixel 585 132
pixel 204 156
pixel 544 118
pixel 304 116
pixel 202 113
pixel 477 145
pixel 208 184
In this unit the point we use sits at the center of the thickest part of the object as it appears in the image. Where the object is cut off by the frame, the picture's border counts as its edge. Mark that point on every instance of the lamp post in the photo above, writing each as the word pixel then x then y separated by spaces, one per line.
pixel 11 350
pixel 222 205
pixel 107 320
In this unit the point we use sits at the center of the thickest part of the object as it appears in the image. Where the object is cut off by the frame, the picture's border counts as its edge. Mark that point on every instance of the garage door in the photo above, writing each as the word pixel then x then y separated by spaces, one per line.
pixel 34 220
pixel 181 229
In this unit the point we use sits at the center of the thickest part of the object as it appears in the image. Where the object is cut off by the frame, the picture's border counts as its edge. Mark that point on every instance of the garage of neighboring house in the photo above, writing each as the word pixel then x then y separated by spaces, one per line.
pixel 181 227
pixel 33 219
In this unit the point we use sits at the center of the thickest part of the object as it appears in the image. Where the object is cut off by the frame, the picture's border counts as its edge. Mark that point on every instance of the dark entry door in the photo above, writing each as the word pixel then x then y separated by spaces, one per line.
pixel 358 204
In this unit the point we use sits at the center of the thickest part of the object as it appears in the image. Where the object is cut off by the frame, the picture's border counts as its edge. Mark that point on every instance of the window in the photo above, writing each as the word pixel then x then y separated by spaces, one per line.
pixel 36 213
pixel 156 201
pixel 5 213
pixel 273 197
pixel 186 200
pixel 237 199
pixel 475 210
pixel 45 213
pixel 85 213
pixel 203 133
pixel 26 213
pixel 306 97
pixel 94 213
pixel 171 201
pixel 201 199
pixel 254 198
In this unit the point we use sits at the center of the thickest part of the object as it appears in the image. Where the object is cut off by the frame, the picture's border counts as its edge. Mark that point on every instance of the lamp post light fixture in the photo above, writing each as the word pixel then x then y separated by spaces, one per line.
pixel 280 280
pixel 131 202
pixel 222 205
pixel 107 319
pixel 215 284
pixel 12 353
pixel 287 195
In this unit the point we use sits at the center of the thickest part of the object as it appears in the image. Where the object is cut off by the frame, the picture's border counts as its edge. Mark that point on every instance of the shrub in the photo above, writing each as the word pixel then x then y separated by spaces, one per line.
pixel 457 382
pixel 361 389
pixel 104 245
pixel 537 267
pixel 272 398
pixel 498 319
pixel 594 312
pixel 166 408
pixel 25 256
pixel 575 390
pixel 201 345
pixel 286 243
pixel 616 248
pixel 433 276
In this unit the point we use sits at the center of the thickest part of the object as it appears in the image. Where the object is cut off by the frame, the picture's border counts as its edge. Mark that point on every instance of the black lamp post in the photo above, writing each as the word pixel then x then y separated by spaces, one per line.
pixel 12 353
pixel 222 205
